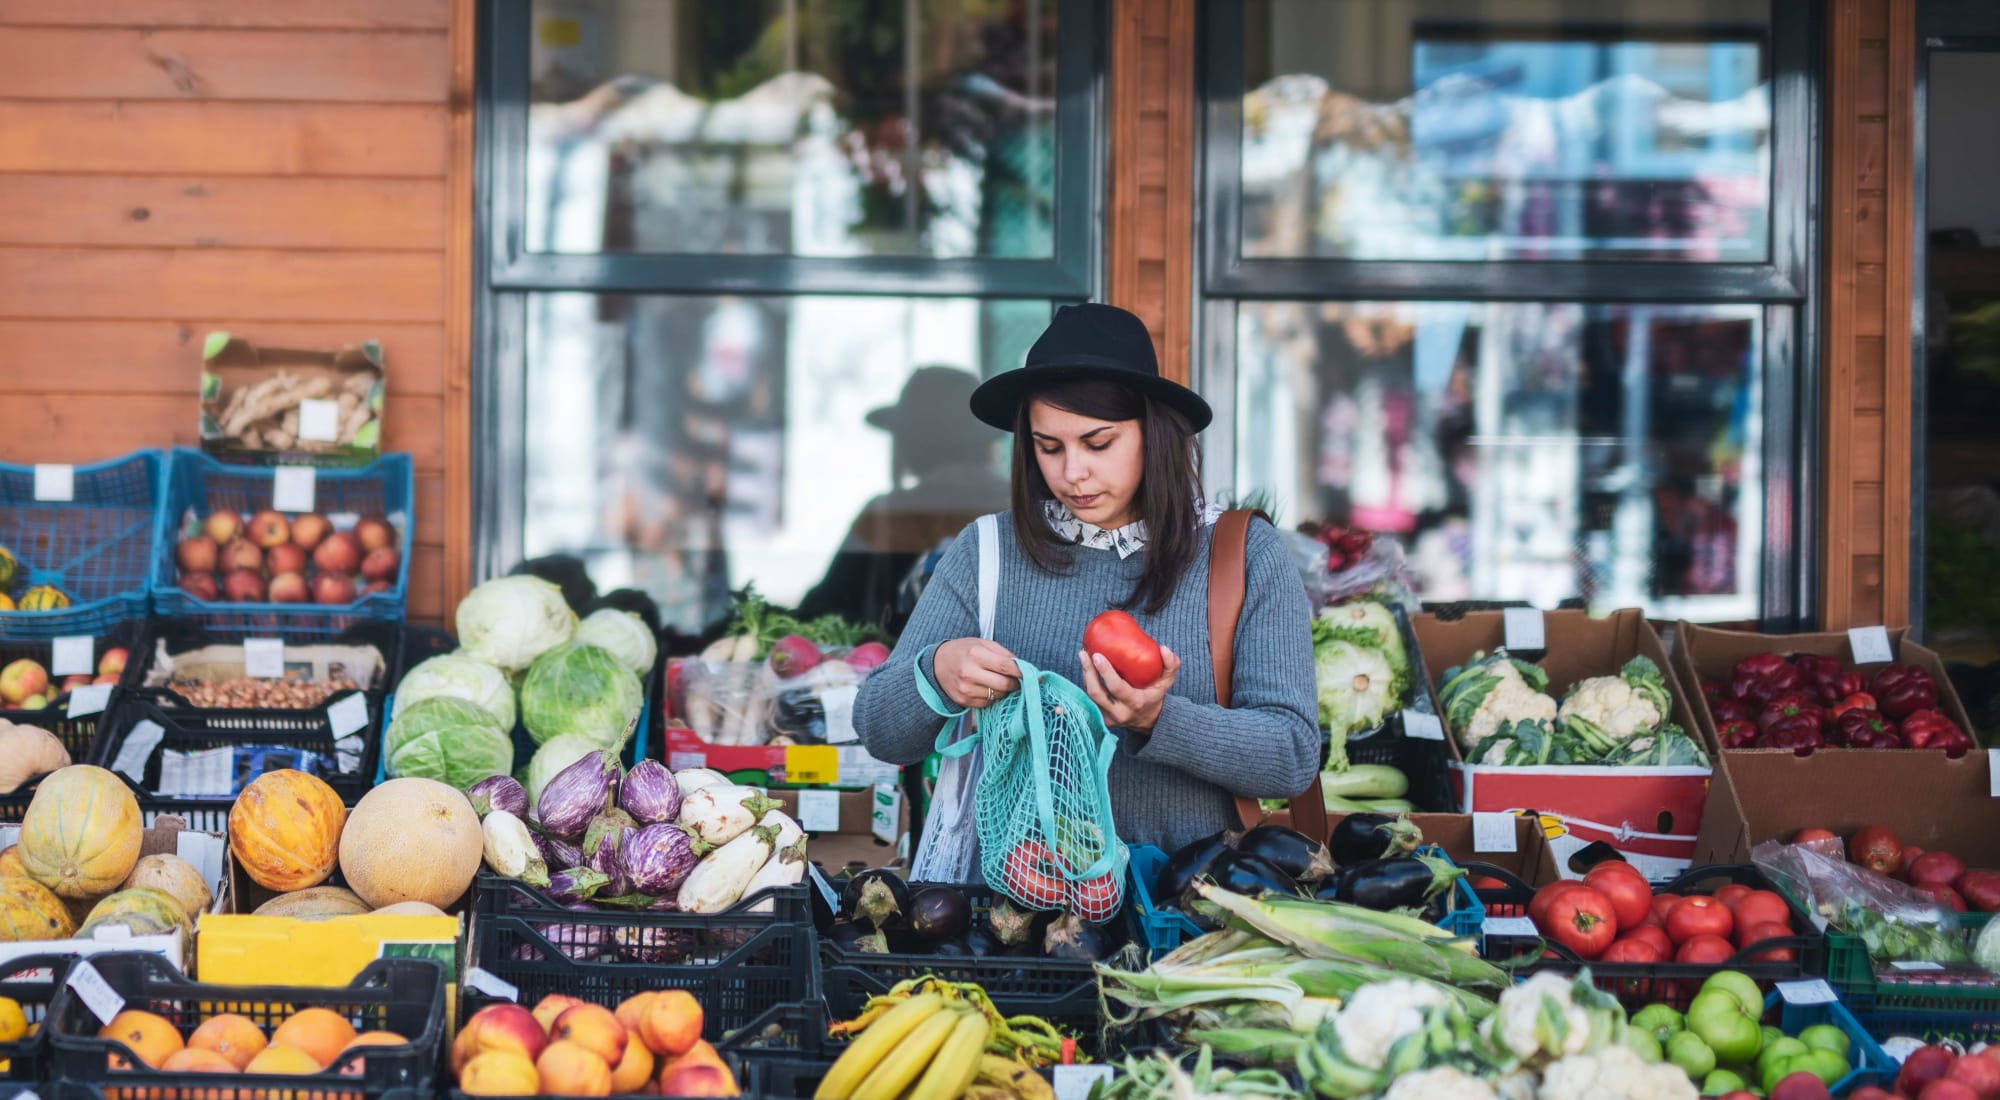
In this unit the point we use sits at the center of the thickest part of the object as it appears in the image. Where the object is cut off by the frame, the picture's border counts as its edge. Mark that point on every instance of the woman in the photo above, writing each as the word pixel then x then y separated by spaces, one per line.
pixel 1105 513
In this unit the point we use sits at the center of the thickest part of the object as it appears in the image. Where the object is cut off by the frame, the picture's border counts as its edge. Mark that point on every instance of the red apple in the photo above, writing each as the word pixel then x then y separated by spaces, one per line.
pixel 242 554
pixel 340 553
pixel 21 679
pixel 196 555
pixel 106 678
pixel 286 557
pixel 1800 1086
pixel 199 585
pixel 333 588
pixel 374 533
pixel 269 528
pixel 310 530
pixel 1981 1075
pixel 289 588
pixel 381 564
pixel 1944 1088
pixel 377 586
pixel 73 681
pixel 1923 1066
pixel 113 661
pixel 243 586
pixel 223 526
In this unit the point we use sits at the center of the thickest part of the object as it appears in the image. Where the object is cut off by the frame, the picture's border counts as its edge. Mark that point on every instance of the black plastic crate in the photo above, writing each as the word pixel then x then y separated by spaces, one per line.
pixel 736 963
pixel 192 632
pixel 199 815
pixel 195 730
pixel 1639 984
pixel 1425 762
pixel 405 996
pixel 31 982
pixel 77 733
pixel 792 1019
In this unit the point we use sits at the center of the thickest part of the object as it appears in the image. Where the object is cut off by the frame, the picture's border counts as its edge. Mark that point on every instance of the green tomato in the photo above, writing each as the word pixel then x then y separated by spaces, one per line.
pixel 1693 1056
pixel 1644 1045
pixel 1721 1081
pixel 1771 1035
pixel 1823 1064
pixel 1777 1054
pixel 1720 1020
pixel 1737 984
pixel 1661 1021
pixel 1826 1037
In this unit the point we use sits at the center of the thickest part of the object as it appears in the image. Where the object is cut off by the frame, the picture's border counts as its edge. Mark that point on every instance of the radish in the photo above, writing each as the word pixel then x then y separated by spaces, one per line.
pixel 793 655
pixel 868 655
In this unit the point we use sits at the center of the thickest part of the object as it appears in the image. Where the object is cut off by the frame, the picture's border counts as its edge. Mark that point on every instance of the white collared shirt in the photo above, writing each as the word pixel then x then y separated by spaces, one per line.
pixel 1126 541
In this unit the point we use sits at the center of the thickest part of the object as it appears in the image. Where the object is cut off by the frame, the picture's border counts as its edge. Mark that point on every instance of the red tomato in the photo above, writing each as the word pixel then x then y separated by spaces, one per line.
pixel 1485 882
pixel 1652 934
pixel 1761 907
pixel 1094 899
pixel 1538 906
pixel 1757 933
pixel 1807 836
pixel 1630 950
pixel 1699 916
pixel 1030 876
pixel 1631 899
pixel 1704 949
pixel 1133 655
pixel 1662 905
pixel 1728 894
pixel 1583 921
pixel 1617 865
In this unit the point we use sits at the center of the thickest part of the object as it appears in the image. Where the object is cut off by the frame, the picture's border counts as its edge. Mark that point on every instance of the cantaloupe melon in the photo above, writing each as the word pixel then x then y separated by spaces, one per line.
pixel 315 903
pixel 411 840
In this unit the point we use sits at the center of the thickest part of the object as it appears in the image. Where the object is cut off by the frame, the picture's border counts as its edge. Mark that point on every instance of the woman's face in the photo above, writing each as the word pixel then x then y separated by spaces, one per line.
pixel 1092 466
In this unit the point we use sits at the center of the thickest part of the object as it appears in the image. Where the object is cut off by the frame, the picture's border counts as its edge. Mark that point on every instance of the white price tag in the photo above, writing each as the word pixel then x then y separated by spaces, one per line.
pixel 1917 965
pixel 1424 727
pixel 348 715
pixel 1494 832
pixel 1870 645
pixel 1524 629
pixel 1074 1082
pixel 839 706
pixel 73 656
pixel 319 421
pixel 264 658
pixel 1813 992
pixel 491 984
pixel 55 483
pixel 89 699
pixel 206 773
pixel 1993 772
pixel 819 811
pixel 887 820
pixel 143 738
pixel 293 488
pixel 1514 927
pixel 96 993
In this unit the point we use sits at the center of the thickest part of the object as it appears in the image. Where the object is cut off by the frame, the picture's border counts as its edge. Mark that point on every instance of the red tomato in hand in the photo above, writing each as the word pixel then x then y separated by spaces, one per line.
pixel 1662 905
pixel 1631 898
pixel 1652 934
pixel 1583 921
pixel 1704 949
pixel 1133 655
pixel 1728 894
pixel 1699 916
pixel 1757 933
pixel 1632 950
pixel 1761 907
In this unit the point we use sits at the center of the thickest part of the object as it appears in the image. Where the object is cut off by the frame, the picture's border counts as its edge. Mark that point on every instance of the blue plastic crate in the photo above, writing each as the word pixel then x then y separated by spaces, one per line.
pixel 97 548
pixel 1872 1065
pixel 197 485
pixel 1162 930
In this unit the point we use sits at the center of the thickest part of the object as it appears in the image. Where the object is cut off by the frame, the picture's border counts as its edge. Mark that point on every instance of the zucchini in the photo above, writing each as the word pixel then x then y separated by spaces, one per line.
pixel 1338 805
pixel 1363 781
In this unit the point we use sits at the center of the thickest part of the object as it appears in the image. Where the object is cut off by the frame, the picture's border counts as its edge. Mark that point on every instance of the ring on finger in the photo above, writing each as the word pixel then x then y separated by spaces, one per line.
pixel 989 696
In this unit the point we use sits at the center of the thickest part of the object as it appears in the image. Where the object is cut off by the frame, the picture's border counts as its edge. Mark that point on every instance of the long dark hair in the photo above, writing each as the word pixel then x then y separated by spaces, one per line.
pixel 1168 486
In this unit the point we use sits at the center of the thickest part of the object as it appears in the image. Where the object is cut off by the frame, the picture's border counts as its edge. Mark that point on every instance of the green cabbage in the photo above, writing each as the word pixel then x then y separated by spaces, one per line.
pixel 449 740
pixel 622 634
pixel 551 758
pixel 458 677
pixel 581 689
pixel 509 621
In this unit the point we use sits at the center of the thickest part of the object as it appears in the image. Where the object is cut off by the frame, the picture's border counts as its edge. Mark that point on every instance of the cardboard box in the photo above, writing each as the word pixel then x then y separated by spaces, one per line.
pixel 1651 815
pixel 168 835
pixel 1702 652
pixel 870 828
pixel 1924 798
pixel 291 404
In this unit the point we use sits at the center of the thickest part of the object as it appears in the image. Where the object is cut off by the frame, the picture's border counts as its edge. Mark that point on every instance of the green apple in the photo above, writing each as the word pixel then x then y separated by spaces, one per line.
pixel 1643 1043
pixel 1721 1081
pixel 1687 1051
pixel 1738 985
pixel 1826 1037
pixel 1720 1020
pixel 1661 1021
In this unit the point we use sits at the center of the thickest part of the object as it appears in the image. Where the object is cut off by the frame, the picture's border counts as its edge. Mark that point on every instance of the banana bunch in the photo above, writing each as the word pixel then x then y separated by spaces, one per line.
pixel 1028 1040
pixel 929 1039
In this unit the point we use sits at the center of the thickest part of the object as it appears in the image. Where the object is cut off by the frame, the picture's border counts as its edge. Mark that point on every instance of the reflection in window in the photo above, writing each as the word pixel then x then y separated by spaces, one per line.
pixel 793 127
pixel 1534 451
pixel 1473 130
pixel 686 446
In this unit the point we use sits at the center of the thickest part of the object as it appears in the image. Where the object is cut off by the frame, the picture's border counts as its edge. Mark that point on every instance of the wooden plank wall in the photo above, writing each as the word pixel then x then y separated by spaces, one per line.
pixel 1150 230
pixel 1870 134
pixel 280 170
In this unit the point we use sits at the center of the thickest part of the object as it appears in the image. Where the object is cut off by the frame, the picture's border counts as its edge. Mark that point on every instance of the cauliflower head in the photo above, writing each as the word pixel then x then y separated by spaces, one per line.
pixel 1440 1083
pixel 1488 695
pixel 1602 713
pixel 1380 1014
pixel 1553 1016
pixel 1615 1073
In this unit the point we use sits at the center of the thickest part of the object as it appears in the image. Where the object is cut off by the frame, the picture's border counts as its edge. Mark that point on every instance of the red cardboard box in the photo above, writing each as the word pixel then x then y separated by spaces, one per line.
pixel 1649 814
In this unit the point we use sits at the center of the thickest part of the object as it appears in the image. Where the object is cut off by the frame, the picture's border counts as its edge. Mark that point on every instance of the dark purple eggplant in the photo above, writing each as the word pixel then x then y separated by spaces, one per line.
pixel 1011 925
pixel 939 913
pixel 578 793
pixel 1072 937
pixel 657 859
pixel 879 897
pixel 649 793
pixel 858 936
pixel 1406 882
pixel 602 843
pixel 1250 875
pixel 980 942
pixel 951 949
pixel 1192 861
pixel 1362 837
pixel 498 792
pixel 1306 860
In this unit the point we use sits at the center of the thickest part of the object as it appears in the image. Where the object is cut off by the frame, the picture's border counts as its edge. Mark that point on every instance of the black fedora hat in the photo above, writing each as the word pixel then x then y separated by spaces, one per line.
pixel 1087 341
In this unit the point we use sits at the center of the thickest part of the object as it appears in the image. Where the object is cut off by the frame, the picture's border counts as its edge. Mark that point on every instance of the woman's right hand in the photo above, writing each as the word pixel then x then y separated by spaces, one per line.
pixel 974 672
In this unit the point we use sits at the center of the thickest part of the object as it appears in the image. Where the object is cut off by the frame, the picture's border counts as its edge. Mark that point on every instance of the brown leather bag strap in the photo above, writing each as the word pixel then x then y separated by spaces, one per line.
pixel 1228 575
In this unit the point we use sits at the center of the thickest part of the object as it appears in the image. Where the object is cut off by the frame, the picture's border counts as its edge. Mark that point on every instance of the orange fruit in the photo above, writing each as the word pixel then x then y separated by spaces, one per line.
pixel 319 1032
pixel 282 1059
pixel 234 1037
pixel 151 1038
pixel 198 1060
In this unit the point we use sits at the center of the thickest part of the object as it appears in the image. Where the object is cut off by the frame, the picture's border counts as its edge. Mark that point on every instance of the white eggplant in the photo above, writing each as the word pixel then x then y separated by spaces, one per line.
pixel 693 779
pixel 786 867
pixel 789 832
pixel 718 882
pixel 717 815
pixel 511 849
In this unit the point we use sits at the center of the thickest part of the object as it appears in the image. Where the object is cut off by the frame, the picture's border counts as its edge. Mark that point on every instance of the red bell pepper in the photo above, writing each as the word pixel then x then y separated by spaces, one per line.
pixel 1712 691
pixel 1763 678
pixel 1930 729
pixel 1736 733
pixel 1730 710
pixel 1903 690
pixel 1790 705
pixel 1865 729
pixel 1827 679
pixel 1860 700
pixel 1800 735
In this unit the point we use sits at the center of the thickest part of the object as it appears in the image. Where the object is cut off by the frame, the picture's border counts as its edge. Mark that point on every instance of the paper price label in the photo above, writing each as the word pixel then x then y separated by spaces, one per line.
pixel 319 421
pixel 1511 927
pixel 73 656
pixel 887 820
pixel 1424 727
pixel 839 706
pixel 90 699
pixel 264 658
pixel 819 811
pixel 55 482
pixel 140 741
pixel 293 488
pixel 1074 1082
pixel 1993 772
pixel 812 764
pixel 491 984
pixel 1494 832
pixel 1814 992
pixel 348 715
pixel 1524 629
pixel 1916 965
pixel 96 993
pixel 1870 645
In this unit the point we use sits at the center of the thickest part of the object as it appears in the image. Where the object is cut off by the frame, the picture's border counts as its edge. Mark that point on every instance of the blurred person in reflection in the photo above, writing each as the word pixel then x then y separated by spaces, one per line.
pixel 941 478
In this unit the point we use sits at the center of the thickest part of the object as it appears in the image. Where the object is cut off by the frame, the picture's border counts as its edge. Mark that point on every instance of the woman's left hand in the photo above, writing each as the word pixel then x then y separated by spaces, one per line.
pixel 1125 706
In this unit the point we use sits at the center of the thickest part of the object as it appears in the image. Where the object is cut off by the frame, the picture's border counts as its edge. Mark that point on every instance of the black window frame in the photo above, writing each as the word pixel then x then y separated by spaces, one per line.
pixel 1785 283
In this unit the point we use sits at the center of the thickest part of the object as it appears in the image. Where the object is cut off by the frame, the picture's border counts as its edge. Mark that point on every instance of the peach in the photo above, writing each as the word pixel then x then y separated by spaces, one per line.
pixel 375 532
pixel 340 553
pixel 268 528
pixel 309 530
pixel 634 1071
pixel 113 662
pixel 197 1060
pixel 283 1059
pixel 500 1073
pixel 243 586
pixel 700 1054
pixel 75 680
pixel 333 588
pixel 289 588
pixel 701 1080
pixel 22 679
pixel 548 1008
pixel 242 554
pixel 632 1010
pixel 199 585
pixel 568 1069
pixel 223 526
pixel 594 1028
pixel 197 555
pixel 236 1038
pixel 505 1027
pixel 672 1024
pixel 464 1048
pixel 320 1032
pixel 285 558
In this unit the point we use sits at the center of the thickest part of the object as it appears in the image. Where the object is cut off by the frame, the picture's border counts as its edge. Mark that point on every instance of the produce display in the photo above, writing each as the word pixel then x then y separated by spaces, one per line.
pixel 648 1043
pixel 1722 1044
pixel 1809 702
pixel 25 684
pixel 770 678
pixel 1362 670
pixel 230 557
pixel 935 1039
pixel 1371 860
pixel 1902 903
pixel 17 594
pixel 1613 915
pixel 308 1041
pixel 880 914
pixel 1499 709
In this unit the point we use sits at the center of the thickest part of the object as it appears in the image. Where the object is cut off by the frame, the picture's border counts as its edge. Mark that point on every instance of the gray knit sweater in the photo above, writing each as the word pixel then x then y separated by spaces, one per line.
pixel 1176 784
